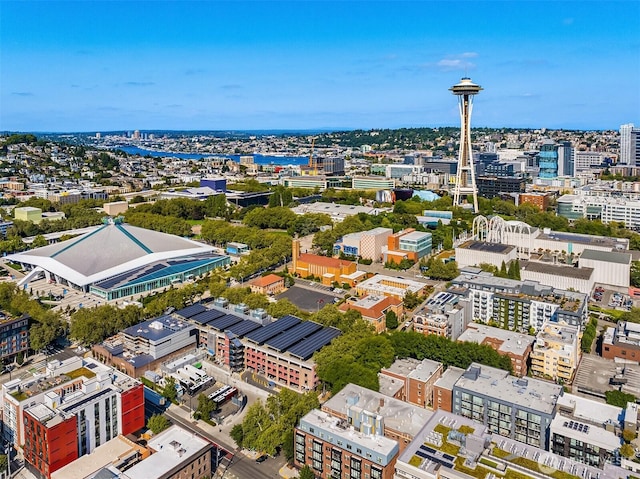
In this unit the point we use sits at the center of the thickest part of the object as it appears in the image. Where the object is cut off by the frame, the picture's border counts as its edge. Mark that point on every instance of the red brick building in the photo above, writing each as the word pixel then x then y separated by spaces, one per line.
pixel 416 377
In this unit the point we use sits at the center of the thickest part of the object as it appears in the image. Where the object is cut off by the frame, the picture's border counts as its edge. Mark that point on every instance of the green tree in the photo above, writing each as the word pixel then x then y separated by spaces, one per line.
pixel 306 473
pixel 237 434
pixel 411 300
pixel 206 407
pixel 38 242
pixel 169 390
pixel 282 307
pixel 158 423
pixel 619 398
pixel 391 320
pixel 4 462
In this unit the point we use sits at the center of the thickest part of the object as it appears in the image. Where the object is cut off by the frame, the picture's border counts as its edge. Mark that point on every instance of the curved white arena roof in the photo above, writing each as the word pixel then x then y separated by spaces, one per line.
pixel 110 250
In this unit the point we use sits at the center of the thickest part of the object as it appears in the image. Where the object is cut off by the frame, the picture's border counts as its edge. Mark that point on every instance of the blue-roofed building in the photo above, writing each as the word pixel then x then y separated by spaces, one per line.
pixel 144 346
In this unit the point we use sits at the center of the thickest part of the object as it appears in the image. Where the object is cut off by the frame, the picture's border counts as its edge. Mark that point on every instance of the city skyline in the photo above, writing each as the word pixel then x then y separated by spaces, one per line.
pixel 85 66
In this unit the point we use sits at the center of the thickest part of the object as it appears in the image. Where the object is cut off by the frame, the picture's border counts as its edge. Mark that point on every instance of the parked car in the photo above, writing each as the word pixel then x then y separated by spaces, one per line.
pixel 262 458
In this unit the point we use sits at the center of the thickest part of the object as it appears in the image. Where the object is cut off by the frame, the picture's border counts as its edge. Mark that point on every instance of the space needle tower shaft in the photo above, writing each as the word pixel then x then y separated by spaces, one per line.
pixel 465 175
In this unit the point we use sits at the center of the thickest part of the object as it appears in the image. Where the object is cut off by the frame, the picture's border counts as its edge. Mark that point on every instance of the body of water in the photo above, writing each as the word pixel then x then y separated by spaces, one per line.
pixel 258 159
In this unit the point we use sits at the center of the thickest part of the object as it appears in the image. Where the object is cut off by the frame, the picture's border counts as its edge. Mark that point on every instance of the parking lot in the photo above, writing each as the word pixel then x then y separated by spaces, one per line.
pixel 310 298
pixel 612 299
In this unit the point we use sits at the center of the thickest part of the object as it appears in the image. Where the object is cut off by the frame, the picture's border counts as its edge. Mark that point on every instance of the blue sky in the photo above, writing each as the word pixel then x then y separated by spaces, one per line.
pixel 109 65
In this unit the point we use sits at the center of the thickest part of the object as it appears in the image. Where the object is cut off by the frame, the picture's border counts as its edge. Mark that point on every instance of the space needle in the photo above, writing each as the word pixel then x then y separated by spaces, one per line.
pixel 466 175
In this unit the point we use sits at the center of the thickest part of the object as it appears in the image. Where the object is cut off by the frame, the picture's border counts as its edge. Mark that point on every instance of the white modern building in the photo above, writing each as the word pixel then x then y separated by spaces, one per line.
pixel 366 244
pixel 610 267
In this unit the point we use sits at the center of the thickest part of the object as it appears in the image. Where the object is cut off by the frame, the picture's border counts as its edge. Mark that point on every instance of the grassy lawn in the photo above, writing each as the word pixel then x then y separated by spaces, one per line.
pixel 415 461
pixel 487 462
pixel 614 313
pixel 466 429
pixel 195 222
pixel 15 266
pixel 500 453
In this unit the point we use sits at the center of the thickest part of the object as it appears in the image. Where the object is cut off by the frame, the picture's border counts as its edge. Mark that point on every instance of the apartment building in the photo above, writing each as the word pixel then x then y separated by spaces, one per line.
pixel 78 405
pixel 144 346
pixel 373 183
pixel 622 341
pixel 519 305
pixel 443 388
pixel 518 408
pixel 515 345
pixel 281 351
pixel 394 419
pixel 445 314
pixel 556 352
pixel 605 209
pixel 14 336
pixel 411 380
pixel 334 449
pixel 586 431
pixel 539 200
pixel 374 309
pixel 384 285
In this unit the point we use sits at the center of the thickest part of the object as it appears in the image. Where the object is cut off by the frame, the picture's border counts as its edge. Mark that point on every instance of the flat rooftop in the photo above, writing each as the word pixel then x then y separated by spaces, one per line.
pixel 158 328
pixel 392 285
pixel 100 457
pixel 604 241
pixel 584 432
pixel 483 246
pixel 527 393
pixel 383 447
pixel 557 270
pixel 172 447
pixel 512 342
pixel 449 377
pixel 607 256
pixel 414 368
pixel 398 415
pixel 414 236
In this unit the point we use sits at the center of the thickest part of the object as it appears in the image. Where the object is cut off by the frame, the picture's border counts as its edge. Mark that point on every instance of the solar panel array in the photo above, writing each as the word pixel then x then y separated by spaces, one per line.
pixel 191 311
pixel 224 322
pixel 430 454
pixel 260 336
pixel 284 340
pixel 244 327
pixel 207 316
pixel 305 348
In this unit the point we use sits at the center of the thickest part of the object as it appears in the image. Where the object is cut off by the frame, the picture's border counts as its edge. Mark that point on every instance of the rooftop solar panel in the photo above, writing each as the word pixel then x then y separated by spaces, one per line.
pixel 207 316
pixel 284 340
pixel 246 326
pixel 192 310
pixel 259 336
pixel 225 322
pixel 305 348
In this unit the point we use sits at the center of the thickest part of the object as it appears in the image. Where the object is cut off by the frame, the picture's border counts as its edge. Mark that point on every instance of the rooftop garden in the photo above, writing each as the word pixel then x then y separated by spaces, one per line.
pixel 529 464
pixel 87 373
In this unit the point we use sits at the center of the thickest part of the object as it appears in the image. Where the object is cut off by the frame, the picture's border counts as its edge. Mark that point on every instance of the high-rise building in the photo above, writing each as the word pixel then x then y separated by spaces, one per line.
pixel 465 176
pixel 565 159
pixel 548 160
pixel 625 144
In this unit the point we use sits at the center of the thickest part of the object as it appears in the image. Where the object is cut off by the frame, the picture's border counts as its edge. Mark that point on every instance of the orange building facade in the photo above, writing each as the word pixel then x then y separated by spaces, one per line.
pixel 329 270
